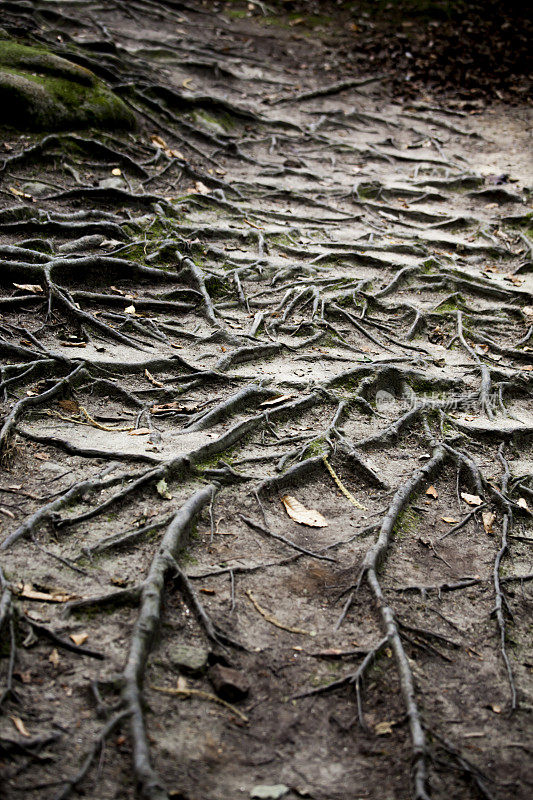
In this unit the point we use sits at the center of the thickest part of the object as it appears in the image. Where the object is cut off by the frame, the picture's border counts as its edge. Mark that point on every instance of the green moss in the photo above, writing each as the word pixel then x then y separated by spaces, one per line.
pixel 406 523
pixel 236 13
pixel 45 92
pixel 316 448
pixel 220 123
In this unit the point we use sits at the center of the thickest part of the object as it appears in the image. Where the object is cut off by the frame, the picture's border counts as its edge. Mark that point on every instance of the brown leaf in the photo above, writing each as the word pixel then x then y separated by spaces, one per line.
pixel 53 658
pixel 157 141
pixel 34 288
pixel 450 520
pixel 20 726
pixel 174 154
pixel 152 379
pixel 140 432
pixel 274 401
pixel 471 499
pixel 384 728
pixel 488 520
pixel 432 492
pixel 301 514
pixel 79 638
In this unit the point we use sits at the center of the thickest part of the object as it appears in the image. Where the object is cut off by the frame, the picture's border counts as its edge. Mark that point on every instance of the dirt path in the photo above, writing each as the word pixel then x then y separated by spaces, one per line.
pixel 267 290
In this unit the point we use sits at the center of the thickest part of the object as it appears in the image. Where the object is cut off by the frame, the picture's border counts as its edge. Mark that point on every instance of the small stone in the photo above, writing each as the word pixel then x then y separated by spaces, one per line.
pixel 111 183
pixel 36 189
pixel 229 684
pixel 273 792
pixel 190 660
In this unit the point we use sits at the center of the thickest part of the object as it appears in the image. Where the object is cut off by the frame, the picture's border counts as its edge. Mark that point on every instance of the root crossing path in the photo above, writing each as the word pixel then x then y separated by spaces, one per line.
pixel 266 370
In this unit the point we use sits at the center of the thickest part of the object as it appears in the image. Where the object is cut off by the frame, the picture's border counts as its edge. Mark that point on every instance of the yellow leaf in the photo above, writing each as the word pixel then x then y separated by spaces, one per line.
pixel 174 154
pixel 450 520
pixel 157 141
pixel 130 310
pixel 79 638
pixel 471 499
pixel 432 492
pixel 19 725
pixel 488 519
pixel 301 514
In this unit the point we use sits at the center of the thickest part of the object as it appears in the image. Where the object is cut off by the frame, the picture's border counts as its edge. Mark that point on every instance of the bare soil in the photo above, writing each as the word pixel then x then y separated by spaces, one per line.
pixel 277 285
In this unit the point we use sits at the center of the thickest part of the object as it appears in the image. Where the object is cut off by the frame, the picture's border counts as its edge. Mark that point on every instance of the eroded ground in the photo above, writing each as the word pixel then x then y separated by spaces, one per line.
pixel 254 295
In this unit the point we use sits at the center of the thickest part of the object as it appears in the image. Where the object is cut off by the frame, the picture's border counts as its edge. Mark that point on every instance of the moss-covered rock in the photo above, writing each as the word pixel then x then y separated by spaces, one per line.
pixel 41 91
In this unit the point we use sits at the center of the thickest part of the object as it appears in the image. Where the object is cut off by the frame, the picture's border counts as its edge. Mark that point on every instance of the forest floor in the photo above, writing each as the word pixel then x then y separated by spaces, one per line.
pixel 277 290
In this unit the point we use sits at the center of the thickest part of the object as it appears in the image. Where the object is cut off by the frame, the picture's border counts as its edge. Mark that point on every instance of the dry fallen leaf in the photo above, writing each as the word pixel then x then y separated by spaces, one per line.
pixel 383 728
pixel 18 193
pixel 162 489
pixel 29 593
pixel 53 658
pixel 181 684
pixel 301 514
pixel 471 499
pixel 276 400
pixel 488 520
pixel 79 638
pixel 174 154
pixel 6 512
pixel 19 725
pixel 116 172
pixel 497 709
pixel 522 502
pixel 140 432
pixel 449 520
pixel 157 141
pixel 528 311
pixel 432 492
pixel 130 310
pixel 152 379
pixel 34 288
